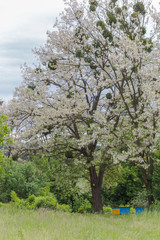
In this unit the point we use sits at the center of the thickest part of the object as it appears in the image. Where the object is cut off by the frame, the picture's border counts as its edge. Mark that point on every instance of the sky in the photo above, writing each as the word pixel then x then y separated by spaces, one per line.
pixel 23 26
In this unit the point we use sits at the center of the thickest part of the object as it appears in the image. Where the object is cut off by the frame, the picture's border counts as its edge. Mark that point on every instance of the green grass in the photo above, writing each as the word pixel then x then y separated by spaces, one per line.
pixel 18 224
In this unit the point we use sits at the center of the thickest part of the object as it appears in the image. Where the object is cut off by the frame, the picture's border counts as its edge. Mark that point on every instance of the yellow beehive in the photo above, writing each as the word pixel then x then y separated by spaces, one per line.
pixel 116 211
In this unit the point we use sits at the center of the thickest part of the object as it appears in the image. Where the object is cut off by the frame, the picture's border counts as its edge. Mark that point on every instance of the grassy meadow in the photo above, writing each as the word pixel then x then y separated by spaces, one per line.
pixel 18 224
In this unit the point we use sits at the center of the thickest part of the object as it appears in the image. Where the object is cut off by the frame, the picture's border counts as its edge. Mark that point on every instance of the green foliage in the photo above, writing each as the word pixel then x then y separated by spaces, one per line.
pixel 31 199
pixel 114 1
pixel 93 2
pixel 79 53
pixel 155 206
pixel 33 202
pixel 108 35
pixel 64 208
pixel 85 207
pixel 52 64
pixel 32 86
pixel 38 70
pixel 44 191
pixel 92 8
pixel 140 200
pixel 107 209
pixel 109 96
pixel 14 197
pixel 87 59
pixel 143 30
pixel 69 154
pixel 132 210
pixel 134 69
pixel 128 184
pixel 4 130
pixel 25 179
pixel 111 18
pixel 118 10
pixel 93 65
pixel 101 24
pixel 45 202
pixel 148 44
pixel 64 179
pixel 96 43
pixel 139 7
pixel 93 5
pixel 80 35
pixel 81 204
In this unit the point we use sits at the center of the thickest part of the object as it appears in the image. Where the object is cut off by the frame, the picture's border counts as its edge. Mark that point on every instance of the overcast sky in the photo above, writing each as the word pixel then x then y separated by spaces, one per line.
pixel 23 26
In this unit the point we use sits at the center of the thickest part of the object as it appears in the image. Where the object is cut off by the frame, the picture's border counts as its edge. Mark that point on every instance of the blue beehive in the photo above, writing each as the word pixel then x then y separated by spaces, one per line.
pixel 139 210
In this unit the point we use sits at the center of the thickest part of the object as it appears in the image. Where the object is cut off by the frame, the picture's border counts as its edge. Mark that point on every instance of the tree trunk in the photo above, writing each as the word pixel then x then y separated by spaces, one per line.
pixel 97 199
pixel 96 183
pixel 148 186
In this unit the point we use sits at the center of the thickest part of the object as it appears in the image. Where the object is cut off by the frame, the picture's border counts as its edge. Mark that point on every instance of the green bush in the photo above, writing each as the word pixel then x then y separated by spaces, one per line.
pixel 155 206
pixel 31 199
pixel 33 202
pixel 85 207
pixel 45 191
pixel 128 185
pixel 81 204
pixel 132 210
pixel 64 208
pixel 25 179
pixel 16 201
pixel 107 209
pixel 48 200
pixel 14 197
pixel 140 200
pixel 45 202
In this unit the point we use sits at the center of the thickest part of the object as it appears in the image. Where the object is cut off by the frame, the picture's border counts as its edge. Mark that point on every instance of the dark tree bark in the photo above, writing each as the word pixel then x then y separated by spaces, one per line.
pixel 148 183
pixel 96 184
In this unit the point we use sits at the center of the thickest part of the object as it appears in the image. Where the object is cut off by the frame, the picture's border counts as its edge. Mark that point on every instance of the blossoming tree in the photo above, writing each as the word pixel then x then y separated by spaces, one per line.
pixel 94 96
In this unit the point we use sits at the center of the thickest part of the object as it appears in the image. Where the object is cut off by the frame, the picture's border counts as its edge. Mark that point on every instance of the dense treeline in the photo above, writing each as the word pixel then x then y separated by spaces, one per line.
pixel 124 186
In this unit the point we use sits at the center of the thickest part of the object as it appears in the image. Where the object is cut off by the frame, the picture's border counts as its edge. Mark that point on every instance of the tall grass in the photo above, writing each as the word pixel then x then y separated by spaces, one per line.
pixel 18 224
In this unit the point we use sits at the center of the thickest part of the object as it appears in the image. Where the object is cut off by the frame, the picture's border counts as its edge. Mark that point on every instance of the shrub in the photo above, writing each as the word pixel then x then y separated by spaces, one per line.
pixel 25 179
pixel 45 202
pixel 45 191
pixel 81 204
pixel 155 206
pixel 64 208
pixel 33 202
pixel 31 199
pixel 48 200
pixel 140 200
pixel 85 207
pixel 14 197
pixel 107 209
pixel 132 210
